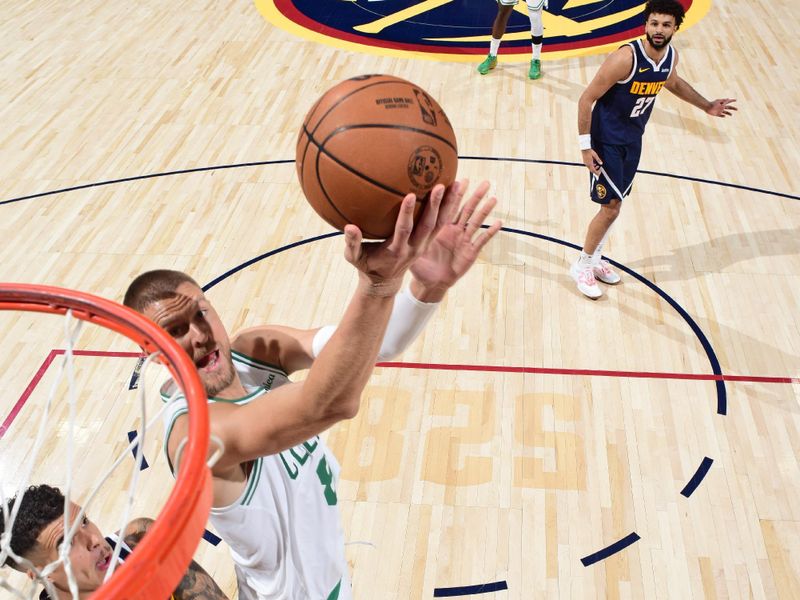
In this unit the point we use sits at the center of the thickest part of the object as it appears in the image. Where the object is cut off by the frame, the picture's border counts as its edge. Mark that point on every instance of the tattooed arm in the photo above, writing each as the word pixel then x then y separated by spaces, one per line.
pixel 196 583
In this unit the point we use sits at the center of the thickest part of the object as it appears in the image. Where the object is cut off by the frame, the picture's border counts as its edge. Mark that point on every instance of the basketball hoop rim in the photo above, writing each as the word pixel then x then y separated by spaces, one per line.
pixel 162 557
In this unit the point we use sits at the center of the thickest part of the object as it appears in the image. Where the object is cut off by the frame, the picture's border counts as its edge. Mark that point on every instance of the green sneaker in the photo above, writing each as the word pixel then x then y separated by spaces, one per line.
pixel 535 70
pixel 487 65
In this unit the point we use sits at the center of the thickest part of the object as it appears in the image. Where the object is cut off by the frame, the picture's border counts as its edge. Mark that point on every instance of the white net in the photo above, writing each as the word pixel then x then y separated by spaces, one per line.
pixel 60 439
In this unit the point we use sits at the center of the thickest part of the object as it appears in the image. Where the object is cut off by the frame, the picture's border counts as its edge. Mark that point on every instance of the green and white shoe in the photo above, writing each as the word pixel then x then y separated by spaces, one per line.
pixel 489 63
pixel 535 71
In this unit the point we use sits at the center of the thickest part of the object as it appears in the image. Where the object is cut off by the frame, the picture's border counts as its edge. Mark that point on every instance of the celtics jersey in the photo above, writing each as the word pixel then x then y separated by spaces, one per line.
pixel 284 531
pixel 620 115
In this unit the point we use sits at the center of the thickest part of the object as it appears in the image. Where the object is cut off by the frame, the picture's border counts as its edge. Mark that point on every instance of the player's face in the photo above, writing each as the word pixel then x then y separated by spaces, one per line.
pixel 191 320
pixel 659 30
pixel 89 553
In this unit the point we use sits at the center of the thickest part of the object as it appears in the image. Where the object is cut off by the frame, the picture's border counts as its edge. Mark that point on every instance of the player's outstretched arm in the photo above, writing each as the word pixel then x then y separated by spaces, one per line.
pixel 722 107
pixel 448 257
pixel 332 390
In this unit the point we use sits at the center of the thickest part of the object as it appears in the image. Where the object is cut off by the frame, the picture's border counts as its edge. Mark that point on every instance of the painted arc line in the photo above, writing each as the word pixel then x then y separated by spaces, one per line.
pixel 698 476
pixel 287 161
pixel 132 435
pixel 611 549
pixel 467 590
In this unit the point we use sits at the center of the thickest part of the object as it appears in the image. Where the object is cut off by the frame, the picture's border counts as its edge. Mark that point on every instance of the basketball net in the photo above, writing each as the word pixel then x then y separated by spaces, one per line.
pixel 152 568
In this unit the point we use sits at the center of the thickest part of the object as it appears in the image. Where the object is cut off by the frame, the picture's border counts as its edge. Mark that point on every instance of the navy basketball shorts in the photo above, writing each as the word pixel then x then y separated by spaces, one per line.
pixel 616 173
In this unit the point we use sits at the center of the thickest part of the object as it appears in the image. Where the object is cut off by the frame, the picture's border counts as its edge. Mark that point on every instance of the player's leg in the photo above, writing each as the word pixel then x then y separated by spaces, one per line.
pixel 537 36
pixel 607 194
pixel 630 163
pixel 504 8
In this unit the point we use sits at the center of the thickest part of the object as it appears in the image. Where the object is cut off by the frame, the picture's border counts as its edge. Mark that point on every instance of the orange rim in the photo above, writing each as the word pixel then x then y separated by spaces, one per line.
pixel 161 559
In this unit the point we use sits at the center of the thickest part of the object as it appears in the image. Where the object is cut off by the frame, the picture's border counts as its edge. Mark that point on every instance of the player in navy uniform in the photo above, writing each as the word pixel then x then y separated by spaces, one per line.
pixel 623 93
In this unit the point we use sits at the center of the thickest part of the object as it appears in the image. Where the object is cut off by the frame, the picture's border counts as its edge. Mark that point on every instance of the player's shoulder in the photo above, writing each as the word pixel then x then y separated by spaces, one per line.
pixel 623 54
pixel 619 63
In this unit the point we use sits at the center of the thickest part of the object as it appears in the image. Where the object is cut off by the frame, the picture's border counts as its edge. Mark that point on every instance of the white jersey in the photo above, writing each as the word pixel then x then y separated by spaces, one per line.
pixel 284 531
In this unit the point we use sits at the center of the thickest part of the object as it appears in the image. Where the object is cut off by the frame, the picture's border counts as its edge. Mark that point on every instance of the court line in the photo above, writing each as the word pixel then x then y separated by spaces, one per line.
pixel 262 163
pixel 611 549
pixel 436 367
pixel 698 476
pixel 590 372
pixel 40 373
pixel 466 590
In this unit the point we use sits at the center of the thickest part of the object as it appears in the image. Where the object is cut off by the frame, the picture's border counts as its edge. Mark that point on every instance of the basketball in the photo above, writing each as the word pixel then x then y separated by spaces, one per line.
pixel 365 144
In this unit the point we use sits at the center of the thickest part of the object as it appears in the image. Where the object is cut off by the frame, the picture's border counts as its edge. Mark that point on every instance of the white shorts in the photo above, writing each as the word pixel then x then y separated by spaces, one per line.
pixel 533 4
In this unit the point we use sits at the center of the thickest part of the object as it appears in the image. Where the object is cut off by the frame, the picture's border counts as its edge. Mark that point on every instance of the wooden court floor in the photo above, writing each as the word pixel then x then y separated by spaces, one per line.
pixel 528 429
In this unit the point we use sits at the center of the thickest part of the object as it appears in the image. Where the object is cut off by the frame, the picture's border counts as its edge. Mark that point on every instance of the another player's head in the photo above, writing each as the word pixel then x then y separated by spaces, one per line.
pixel 662 19
pixel 39 531
pixel 174 301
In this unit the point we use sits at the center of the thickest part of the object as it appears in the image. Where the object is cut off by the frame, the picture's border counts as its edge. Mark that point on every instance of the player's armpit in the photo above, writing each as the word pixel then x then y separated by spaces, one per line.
pixel 285 347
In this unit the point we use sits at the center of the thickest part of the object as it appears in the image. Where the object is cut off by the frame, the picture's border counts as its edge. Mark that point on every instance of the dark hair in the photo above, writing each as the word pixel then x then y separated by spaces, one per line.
pixel 153 286
pixel 41 505
pixel 665 7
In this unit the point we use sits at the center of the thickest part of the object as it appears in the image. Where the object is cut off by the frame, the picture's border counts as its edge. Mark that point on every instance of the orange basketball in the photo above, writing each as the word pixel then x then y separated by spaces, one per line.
pixel 365 144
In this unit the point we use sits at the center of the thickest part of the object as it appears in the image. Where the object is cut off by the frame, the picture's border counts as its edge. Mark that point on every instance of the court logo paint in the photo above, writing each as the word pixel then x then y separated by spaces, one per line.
pixel 460 30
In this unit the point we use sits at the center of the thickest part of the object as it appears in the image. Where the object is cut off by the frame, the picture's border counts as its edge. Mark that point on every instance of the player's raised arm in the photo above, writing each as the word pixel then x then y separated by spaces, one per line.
pixel 721 107
pixel 448 257
pixel 439 249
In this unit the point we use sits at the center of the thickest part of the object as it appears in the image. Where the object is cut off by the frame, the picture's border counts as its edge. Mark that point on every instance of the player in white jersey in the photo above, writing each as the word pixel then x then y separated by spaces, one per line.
pixel 274 488
pixel 504 8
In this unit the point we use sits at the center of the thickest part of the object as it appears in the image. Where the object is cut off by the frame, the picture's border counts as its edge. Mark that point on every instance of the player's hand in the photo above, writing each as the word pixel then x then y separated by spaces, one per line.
pixel 383 264
pixel 456 246
pixel 592 161
pixel 722 107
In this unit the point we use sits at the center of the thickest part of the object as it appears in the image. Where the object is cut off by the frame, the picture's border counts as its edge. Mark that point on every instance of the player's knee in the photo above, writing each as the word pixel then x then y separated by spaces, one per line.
pixel 610 211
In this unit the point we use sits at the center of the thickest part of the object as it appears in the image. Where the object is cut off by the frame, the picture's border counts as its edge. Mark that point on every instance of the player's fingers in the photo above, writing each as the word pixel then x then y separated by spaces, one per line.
pixel 405 222
pixel 448 212
pixel 479 216
pixel 428 223
pixel 465 216
pixel 352 243
pixel 487 235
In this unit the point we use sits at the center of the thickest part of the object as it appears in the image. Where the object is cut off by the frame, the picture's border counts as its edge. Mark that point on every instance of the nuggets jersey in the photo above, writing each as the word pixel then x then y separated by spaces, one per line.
pixel 284 531
pixel 620 115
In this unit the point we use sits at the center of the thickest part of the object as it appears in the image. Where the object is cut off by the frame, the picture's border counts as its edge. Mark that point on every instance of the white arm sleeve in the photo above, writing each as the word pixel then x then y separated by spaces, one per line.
pixel 408 319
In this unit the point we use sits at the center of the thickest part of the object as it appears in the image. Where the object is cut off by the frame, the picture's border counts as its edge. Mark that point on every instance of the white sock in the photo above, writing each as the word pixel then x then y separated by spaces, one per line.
pixel 494 46
pixel 585 259
pixel 537 51
pixel 598 252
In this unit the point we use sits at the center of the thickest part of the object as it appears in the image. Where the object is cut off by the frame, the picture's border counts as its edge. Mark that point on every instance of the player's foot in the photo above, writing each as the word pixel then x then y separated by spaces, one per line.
pixel 584 277
pixel 489 63
pixel 605 273
pixel 535 71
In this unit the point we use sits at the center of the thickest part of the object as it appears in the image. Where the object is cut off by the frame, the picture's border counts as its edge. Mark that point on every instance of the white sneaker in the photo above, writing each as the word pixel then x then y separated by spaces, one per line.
pixel 584 277
pixel 605 273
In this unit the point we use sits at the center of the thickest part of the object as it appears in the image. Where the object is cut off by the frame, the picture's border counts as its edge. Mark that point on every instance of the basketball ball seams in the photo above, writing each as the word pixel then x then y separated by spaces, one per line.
pixel 322 150
pixel 324 191
pixel 374 144
pixel 348 95
pixel 409 128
